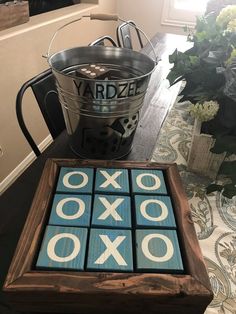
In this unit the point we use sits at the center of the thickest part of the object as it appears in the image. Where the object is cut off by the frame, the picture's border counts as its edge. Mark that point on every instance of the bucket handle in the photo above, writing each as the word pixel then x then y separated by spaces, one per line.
pixel 102 17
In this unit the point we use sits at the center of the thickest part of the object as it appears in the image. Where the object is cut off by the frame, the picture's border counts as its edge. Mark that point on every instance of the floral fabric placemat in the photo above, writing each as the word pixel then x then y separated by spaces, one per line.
pixel 214 215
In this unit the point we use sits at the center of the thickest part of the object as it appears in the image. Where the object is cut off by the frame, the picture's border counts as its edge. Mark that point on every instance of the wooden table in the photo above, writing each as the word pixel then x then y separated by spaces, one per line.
pixel 16 201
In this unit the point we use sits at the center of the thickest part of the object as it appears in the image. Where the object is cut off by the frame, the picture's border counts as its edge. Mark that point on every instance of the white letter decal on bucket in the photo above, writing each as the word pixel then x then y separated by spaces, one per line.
pixel 149 188
pixel 110 179
pixel 80 211
pixel 169 248
pixel 66 179
pixel 111 249
pixel 52 243
pixel 164 210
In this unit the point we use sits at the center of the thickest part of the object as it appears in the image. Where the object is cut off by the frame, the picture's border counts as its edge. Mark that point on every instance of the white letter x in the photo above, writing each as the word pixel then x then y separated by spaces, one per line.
pixel 111 249
pixel 110 179
pixel 110 209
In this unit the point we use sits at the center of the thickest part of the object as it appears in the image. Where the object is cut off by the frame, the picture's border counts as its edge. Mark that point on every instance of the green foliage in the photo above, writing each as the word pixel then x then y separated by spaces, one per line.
pixel 227 169
pixel 203 66
pixel 209 72
pixel 228 190
pixel 204 112
pixel 224 143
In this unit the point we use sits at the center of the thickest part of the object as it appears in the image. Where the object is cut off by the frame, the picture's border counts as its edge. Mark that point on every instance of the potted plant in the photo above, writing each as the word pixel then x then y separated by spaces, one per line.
pixel 209 72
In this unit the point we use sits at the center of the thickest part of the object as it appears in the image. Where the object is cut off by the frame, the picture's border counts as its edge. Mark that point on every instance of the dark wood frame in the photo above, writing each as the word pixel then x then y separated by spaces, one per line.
pixel 89 292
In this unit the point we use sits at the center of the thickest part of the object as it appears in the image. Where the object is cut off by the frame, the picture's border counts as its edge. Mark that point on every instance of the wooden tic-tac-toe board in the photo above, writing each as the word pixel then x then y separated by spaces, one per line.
pixel 109 236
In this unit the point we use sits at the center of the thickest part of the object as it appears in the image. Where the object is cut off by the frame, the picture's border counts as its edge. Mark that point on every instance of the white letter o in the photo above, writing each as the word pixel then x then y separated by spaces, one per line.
pixel 169 248
pixel 148 188
pixel 164 210
pixel 81 209
pixel 52 243
pixel 77 186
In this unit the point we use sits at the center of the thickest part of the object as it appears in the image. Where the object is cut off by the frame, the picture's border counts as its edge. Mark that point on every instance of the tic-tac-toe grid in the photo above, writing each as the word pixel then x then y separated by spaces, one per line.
pixel 110 219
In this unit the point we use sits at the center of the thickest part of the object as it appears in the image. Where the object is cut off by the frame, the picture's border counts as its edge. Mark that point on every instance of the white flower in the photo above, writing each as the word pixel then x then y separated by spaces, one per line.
pixel 231 27
pixel 226 15
pixel 204 112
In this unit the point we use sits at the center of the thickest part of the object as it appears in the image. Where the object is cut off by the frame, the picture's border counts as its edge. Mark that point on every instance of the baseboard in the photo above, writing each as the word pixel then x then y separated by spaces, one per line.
pixel 23 165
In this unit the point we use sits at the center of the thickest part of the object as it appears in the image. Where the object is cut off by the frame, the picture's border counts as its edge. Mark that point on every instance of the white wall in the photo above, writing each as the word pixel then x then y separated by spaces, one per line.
pixel 147 14
pixel 21 50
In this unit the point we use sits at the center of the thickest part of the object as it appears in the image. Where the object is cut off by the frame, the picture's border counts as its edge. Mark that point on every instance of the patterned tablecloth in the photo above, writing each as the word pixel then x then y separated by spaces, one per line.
pixel 214 215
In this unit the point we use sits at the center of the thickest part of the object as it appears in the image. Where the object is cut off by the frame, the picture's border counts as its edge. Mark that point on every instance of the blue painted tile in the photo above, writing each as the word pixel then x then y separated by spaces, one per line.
pixel 148 181
pixel 154 211
pixel 110 250
pixel 75 180
pixel 71 210
pixel 63 248
pixel 111 211
pixel 158 250
pixel 112 181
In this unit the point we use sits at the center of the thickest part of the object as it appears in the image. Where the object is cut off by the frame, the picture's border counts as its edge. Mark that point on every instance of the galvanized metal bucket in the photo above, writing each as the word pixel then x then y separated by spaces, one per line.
pixel 101 90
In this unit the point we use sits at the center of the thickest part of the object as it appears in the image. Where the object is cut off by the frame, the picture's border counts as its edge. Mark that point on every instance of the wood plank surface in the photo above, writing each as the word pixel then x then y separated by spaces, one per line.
pixel 159 97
